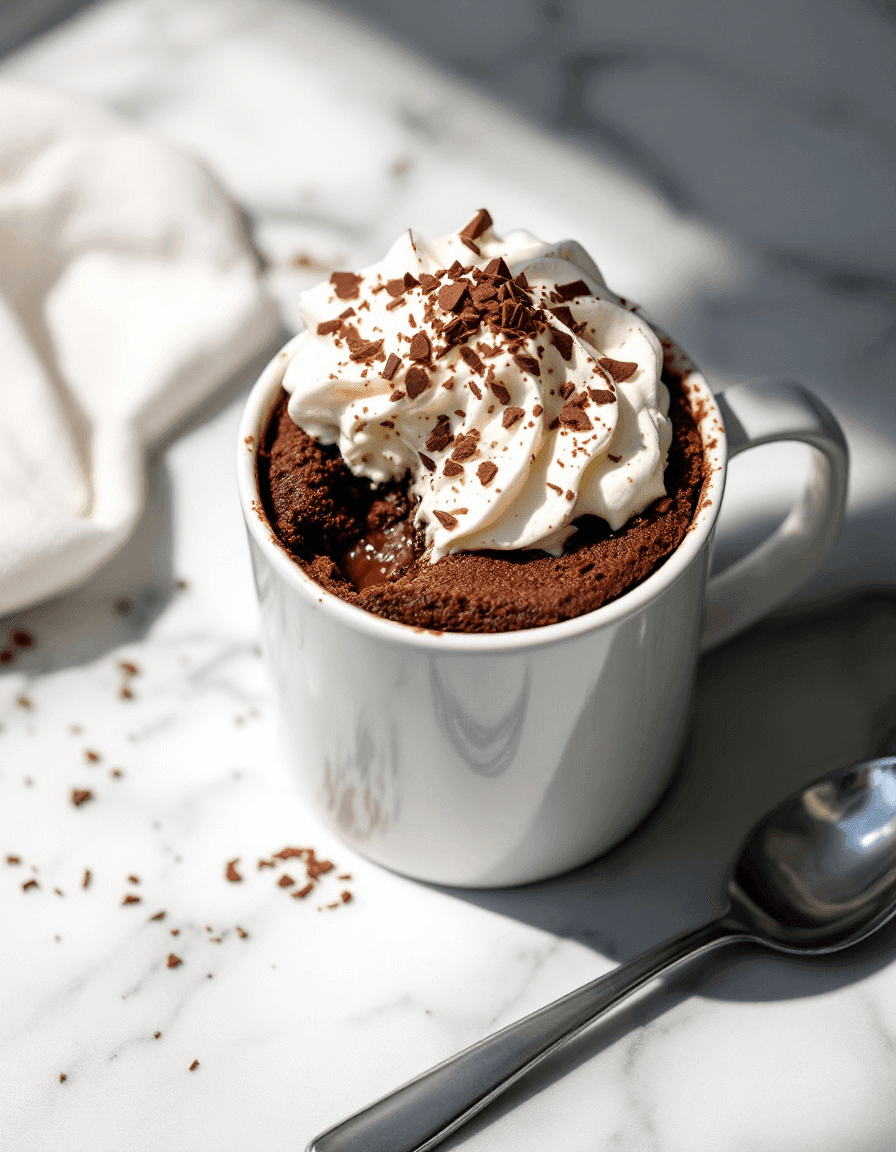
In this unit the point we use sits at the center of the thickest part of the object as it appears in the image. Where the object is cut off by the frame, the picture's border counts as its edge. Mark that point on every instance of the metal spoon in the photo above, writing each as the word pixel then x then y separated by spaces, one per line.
pixel 816 875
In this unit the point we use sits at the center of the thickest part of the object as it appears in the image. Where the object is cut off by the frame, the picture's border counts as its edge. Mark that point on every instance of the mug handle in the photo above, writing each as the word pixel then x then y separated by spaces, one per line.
pixel 755 414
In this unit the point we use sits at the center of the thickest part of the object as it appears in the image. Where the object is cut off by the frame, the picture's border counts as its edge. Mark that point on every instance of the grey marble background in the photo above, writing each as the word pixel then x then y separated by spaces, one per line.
pixel 764 132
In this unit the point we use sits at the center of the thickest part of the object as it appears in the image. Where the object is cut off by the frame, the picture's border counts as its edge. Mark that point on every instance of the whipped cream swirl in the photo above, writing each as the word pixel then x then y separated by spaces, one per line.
pixel 502 374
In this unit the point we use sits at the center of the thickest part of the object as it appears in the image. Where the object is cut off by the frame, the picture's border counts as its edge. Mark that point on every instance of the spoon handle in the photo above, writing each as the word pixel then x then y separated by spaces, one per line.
pixel 421 1113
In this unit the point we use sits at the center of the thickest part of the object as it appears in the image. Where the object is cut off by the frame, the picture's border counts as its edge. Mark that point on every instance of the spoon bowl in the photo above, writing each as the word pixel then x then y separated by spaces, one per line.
pixel 819 872
pixel 816 875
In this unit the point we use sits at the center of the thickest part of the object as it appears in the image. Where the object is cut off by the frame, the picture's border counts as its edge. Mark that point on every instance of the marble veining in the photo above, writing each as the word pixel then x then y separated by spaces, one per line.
pixel 301 1010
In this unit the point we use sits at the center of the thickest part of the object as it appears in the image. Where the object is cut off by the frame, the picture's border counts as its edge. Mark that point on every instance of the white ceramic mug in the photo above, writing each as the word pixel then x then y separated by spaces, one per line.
pixel 483 760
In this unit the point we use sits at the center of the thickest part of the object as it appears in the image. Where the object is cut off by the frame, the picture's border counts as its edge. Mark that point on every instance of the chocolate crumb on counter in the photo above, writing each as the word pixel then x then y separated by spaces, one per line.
pixel 157 916
pixel 32 883
pixel 63 1076
pixel 130 898
pixel 194 1065
pixel 81 796
pixel 88 876
pixel 231 873
pixel 174 961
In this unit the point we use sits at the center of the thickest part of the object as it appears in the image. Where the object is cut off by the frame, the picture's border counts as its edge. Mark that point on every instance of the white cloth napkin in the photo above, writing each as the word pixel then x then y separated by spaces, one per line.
pixel 128 292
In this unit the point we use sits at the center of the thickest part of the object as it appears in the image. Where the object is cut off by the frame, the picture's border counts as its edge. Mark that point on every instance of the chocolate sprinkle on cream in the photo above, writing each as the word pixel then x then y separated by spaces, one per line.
pixel 527 364
pixel 416 382
pixel 465 446
pixel 511 416
pixel 392 366
pixel 486 472
pixel 619 369
pixel 498 267
pixel 395 287
pixel 441 436
pixel 445 519
pixel 562 341
pixel 328 327
pixel 602 396
pixel 470 358
pixel 480 223
pixel 420 348
pixel 346 284
pixel 231 873
pixel 451 295
pixel 428 463
pixel 573 289
pixel 452 469
pixel 573 417
pixel 501 392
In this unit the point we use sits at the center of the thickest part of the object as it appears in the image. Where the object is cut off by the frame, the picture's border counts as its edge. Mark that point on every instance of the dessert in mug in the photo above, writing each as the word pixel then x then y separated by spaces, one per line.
pixel 477 435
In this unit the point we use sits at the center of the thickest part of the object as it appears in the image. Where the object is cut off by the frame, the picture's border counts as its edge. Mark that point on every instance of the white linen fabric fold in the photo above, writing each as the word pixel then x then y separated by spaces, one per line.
pixel 128 293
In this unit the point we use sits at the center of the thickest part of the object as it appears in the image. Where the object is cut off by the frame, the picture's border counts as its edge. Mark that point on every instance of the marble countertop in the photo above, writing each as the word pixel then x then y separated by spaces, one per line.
pixel 146 688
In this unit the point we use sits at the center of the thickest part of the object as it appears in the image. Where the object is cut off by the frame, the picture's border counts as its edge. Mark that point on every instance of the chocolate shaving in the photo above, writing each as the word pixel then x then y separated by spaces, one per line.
pixel 174 961
pixel 527 364
pixel 475 389
pixel 497 267
pixel 428 463
pixel 483 292
pixel 392 366
pixel 573 416
pixel 395 287
pixel 409 281
pixel 615 459
pixel 451 295
pixel 470 358
pixel 231 873
pixel 416 381
pixel 486 472
pixel 428 283
pixel 619 369
pixel 420 348
pixel 469 243
pixel 573 289
pixel 500 391
pixel 346 284
pixel 132 899
pixel 566 389
pixel 452 469
pixel 511 415
pixel 326 327
pixel 81 796
pixel 562 341
pixel 368 350
pixel 465 446
pixel 445 519
pixel 602 396
pixel 441 435
pixel 396 395
pixel 480 223
pixel 348 312
pixel 556 487
pixel 285 881
pixel 564 315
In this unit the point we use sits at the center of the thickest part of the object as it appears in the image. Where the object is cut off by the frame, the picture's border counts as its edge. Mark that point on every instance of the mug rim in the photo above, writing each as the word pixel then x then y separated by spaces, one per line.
pixel 252 427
